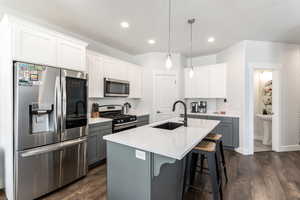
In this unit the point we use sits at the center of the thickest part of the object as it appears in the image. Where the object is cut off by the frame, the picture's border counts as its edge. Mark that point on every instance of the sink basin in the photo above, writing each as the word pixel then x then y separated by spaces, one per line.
pixel 169 125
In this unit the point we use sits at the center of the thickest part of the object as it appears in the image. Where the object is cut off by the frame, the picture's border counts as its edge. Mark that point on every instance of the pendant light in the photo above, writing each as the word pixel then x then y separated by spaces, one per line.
pixel 169 59
pixel 191 73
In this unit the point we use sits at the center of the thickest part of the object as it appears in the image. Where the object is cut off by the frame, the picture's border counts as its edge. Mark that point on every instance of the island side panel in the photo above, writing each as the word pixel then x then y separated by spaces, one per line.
pixel 128 178
pixel 168 184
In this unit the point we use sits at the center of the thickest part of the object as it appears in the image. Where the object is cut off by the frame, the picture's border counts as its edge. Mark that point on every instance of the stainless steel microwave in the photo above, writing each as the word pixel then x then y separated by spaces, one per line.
pixel 116 88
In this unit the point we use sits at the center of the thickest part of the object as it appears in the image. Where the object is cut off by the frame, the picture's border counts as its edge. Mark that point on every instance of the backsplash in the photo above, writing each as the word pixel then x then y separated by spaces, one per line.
pixel 112 101
pixel 213 105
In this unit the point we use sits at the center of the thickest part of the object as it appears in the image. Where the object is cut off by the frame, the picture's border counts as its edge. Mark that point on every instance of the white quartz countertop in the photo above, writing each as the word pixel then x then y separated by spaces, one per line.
pixel 227 114
pixel 98 120
pixel 174 144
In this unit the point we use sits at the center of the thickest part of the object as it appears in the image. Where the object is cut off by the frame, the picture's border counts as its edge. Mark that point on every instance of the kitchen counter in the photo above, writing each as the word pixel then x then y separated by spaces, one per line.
pixel 170 143
pixel 98 120
pixel 228 114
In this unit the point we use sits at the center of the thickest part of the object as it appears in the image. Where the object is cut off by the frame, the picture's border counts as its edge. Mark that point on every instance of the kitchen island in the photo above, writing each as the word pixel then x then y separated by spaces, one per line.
pixel 148 163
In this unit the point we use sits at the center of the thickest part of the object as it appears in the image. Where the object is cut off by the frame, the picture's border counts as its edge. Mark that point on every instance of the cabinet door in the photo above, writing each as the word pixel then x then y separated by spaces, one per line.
pixel 115 69
pixel 188 84
pixel 102 144
pixel 217 81
pixel 92 149
pixel 96 76
pixel 200 83
pixel 135 79
pixel 226 129
pixel 34 46
pixel 71 55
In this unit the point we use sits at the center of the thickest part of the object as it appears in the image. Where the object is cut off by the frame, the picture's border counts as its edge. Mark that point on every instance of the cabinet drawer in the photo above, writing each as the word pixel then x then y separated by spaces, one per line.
pixel 100 126
pixel 222 119
pixel 195 116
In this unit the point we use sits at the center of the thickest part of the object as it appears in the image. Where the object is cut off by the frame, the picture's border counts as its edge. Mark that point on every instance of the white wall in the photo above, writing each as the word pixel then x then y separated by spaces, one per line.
pixel 234 56
pixel 287 56
pixel 203 60
pixel 156 62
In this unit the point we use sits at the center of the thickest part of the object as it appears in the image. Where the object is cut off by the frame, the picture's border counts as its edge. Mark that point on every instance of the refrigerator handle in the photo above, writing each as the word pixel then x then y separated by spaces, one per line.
pixel 64 104
pixel 56 95
pixel 51 148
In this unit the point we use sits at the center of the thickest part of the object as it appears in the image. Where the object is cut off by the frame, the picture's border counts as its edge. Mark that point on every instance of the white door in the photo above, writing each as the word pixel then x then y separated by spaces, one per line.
pixel 165 94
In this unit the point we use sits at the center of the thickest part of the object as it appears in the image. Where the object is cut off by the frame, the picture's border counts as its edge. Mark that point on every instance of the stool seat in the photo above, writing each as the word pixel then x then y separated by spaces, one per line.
pixel 213 136
pixel 206 146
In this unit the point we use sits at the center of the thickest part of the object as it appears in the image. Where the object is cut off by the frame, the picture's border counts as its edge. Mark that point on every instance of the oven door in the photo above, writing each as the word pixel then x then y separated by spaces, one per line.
pixel 116 88
pixel 75 102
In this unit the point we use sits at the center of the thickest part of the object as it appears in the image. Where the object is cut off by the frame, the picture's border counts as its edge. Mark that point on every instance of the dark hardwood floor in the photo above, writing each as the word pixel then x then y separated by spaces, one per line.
pixel 264 176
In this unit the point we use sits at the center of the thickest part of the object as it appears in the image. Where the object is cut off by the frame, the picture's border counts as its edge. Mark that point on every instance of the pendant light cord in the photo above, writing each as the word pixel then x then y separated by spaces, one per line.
pixel 169 45
pixel 191 47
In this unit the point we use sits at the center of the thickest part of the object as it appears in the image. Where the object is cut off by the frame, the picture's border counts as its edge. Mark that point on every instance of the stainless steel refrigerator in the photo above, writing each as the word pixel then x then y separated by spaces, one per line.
pixel 50 128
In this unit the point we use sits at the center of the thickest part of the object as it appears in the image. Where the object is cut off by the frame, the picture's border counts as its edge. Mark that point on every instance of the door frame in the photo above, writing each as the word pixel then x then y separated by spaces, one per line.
pixel 163 73
pixel 276 104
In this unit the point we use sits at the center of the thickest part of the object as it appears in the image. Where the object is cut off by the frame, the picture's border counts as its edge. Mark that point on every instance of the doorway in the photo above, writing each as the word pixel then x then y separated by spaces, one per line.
pixel 263 86
pixel 264 108
pixel 165 94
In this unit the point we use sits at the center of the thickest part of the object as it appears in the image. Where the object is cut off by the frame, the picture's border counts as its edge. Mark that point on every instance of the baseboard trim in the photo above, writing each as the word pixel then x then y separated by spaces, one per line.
pixel 242 151
pixel 295 147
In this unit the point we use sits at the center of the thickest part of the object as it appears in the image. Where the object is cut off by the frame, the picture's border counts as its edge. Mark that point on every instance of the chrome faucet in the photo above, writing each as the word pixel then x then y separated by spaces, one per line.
pixel 185 111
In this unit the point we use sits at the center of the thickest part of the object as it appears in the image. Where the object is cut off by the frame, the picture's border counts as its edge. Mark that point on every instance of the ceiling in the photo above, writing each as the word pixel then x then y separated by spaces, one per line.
pixel 229 21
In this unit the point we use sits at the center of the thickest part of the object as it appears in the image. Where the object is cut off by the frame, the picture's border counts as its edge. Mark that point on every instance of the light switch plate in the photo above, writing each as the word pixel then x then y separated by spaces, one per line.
pixel 140 155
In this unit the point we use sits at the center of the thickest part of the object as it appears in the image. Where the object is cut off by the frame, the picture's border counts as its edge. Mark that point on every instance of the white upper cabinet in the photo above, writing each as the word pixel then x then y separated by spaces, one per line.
pixel 115 69
pixel 217 85
pixel 71 55
pixel 202 77
pixel 34 46
pixel 96 75
pixel 135 74
pixel 207 82
pixel 100 67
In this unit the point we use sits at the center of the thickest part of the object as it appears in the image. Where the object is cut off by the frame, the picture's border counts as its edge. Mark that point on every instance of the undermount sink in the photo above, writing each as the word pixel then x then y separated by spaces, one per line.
pixel 169 125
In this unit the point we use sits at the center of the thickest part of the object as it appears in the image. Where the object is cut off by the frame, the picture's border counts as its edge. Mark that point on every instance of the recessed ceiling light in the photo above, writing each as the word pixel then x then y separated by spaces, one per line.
pixel 124 24
pixel 211 39
pixel 151 41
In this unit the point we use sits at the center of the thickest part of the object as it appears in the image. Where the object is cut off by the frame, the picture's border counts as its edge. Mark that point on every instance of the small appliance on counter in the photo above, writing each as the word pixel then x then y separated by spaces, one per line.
pixel 195 107
pixel 95 110
pixel 203 106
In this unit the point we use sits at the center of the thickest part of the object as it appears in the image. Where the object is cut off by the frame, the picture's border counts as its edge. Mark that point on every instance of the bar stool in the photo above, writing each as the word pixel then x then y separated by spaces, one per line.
pixel 217 138
pixel 208 150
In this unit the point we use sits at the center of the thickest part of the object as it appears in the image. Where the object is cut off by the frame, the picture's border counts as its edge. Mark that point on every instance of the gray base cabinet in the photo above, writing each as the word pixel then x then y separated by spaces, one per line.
pixel 228 128
pixel 153 178
pixel 96 147
pixel 143 120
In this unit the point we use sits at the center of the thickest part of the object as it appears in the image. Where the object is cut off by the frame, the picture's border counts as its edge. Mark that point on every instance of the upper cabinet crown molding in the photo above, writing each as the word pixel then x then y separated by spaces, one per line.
pixel 37 44
pixel 207 82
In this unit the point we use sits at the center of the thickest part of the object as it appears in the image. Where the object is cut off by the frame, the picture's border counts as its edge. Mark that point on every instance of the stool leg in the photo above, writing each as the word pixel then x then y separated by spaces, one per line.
pixel 223 160
pixel 193 166
pixel 211 158
pixel 219 172
pixel 187 174
pixel 202 163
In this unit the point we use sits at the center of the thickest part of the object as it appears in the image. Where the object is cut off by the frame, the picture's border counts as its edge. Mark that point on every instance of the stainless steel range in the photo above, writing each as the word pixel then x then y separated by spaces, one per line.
pixel 50 128
pixel 120 121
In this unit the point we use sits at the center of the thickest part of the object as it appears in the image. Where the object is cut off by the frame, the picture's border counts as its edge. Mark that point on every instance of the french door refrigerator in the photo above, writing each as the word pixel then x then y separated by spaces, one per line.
pixel 50 128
